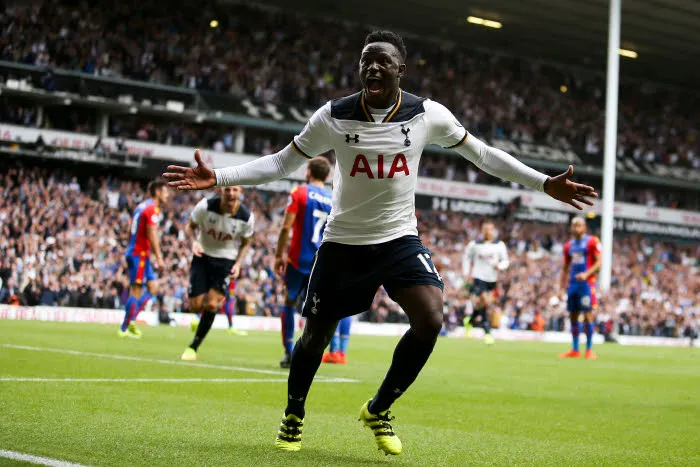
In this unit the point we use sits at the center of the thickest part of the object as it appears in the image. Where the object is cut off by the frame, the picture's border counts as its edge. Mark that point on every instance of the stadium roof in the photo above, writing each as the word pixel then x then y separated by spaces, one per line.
pixel 665 33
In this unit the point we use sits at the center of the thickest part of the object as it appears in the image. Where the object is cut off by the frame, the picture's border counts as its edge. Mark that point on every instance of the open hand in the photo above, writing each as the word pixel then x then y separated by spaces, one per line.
pixel 200 177
pixel 563 189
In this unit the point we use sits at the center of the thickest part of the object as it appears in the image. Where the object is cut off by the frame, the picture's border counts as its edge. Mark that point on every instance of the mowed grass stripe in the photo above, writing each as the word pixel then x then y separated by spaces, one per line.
pixel 510 404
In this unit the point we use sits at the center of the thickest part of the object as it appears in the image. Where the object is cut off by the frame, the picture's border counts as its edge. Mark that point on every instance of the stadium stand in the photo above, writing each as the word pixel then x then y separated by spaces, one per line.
pixel 75 257
pixel 493 95
pixel 64 232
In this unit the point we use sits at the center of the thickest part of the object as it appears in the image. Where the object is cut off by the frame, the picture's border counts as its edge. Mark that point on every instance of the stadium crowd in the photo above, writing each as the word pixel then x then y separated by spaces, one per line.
pixel 452 168
pixel 63 234
pixel 273 56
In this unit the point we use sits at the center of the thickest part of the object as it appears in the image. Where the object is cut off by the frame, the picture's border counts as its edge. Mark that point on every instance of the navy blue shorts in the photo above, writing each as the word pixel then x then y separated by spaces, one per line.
pixel 479 287
pixel 295 281
pixel 208 272
pixel 345 278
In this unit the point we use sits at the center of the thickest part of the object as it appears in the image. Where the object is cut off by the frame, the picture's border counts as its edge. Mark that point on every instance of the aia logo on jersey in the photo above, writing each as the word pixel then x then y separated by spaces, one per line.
pixel 219 236
pixel 362 166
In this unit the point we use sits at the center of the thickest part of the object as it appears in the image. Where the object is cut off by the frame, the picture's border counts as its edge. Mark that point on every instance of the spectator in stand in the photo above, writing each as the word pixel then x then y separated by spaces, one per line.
pixel 275 57
pixel 62 233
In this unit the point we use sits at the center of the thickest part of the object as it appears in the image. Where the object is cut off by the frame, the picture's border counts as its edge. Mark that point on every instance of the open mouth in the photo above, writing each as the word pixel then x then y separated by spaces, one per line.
pixel 374 85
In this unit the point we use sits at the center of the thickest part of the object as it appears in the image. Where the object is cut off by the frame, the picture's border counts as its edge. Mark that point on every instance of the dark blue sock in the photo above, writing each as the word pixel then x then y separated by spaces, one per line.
pixel 143 300
pixel 589 335
pixel 140 304
pixel 129 308
pixel 304 365
pixel 575 331
pixel 288 328
pixel 344 331
pixel 335 342
pixel 410 356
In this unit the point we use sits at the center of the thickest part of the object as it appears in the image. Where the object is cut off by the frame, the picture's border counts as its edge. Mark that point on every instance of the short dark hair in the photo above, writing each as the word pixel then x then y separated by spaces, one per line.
pixel 319 168
pixel 390 37
pixel 154 186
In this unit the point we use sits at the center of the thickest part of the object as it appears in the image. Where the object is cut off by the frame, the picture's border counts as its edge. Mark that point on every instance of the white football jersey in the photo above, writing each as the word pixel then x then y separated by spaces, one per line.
pixel 220 234
pixel 376 162
pixel 487 259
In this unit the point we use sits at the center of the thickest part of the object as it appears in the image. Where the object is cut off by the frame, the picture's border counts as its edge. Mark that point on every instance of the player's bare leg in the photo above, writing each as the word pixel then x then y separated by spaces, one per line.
pixel 589 329
pixel 575 331
pixel 211 303
pixel 423 306
pixel 306 358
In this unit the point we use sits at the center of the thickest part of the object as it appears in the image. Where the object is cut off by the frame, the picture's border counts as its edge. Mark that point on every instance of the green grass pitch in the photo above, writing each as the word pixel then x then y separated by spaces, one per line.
pixel 510 404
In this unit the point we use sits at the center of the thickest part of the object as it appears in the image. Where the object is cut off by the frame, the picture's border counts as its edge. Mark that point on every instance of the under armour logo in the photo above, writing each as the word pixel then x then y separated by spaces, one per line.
pixel 356 138
pixel 406 142
pixel 301 399
pixel 398 391
pixel 316 301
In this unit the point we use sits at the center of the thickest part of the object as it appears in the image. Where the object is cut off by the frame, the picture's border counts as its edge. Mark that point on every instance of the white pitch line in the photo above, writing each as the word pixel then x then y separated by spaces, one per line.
pixel 171 362
pixel 143 380
pixel 18 456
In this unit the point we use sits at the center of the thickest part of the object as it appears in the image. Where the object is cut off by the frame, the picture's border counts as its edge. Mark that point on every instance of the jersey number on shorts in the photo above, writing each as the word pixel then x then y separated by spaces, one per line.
pixel 424 258
pixel 320 217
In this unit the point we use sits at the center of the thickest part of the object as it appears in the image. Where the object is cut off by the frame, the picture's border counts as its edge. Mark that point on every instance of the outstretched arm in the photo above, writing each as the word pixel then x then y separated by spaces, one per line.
pixel 263 170
pixel 501 164
pixel 446 131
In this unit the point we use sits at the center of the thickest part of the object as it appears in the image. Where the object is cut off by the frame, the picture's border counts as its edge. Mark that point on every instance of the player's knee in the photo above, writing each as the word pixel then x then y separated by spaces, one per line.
pixel 317 335
pixel 213 304
pixel 430 324
pixel 196 303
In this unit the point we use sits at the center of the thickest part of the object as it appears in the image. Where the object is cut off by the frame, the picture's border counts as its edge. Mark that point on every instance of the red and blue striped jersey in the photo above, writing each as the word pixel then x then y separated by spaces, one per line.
pixel 312 205
pixel 581 254
pixel 145 214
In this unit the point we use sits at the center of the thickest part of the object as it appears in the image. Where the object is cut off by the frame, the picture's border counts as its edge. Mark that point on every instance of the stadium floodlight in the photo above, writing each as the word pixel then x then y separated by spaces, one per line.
pixel 628 53
pixel 484 22
pixel 213 24
pixel 563 88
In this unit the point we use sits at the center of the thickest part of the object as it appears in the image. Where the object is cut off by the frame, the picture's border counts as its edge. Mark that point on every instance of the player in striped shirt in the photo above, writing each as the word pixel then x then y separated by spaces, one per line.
pixel 305 220
pixel 582 261
pixel 142 242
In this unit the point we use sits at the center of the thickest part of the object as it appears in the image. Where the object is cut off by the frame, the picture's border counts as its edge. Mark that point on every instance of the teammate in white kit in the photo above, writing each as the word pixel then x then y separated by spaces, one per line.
pixel 226 228
pixel 371 238
pixel 483 259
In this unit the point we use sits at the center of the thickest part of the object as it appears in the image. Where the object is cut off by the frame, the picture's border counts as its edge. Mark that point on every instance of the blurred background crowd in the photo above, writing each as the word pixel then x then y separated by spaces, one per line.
pixel 63 232
pixel 275 57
